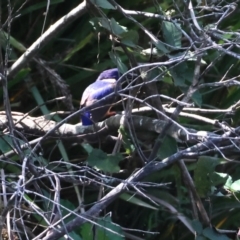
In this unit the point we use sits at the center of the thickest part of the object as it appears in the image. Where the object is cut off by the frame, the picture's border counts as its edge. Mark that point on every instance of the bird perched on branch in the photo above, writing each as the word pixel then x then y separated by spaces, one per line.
pixel 102 87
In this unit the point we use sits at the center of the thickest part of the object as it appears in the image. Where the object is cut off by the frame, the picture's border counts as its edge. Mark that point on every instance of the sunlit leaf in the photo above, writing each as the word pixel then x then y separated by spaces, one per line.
pixel 232 186
pixel 112 26
pixel 228 182
pixel 161 47
pixel 236 186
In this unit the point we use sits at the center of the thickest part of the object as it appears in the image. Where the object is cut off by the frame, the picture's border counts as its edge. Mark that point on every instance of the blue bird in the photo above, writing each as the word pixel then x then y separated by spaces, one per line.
pixel 102 87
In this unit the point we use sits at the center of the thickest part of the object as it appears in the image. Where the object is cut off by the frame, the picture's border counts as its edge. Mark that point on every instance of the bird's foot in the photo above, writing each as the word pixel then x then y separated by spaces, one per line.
pixel 110 113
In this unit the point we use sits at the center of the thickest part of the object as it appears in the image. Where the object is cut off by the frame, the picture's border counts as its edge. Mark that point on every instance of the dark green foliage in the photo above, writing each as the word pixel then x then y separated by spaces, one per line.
pixel 101 161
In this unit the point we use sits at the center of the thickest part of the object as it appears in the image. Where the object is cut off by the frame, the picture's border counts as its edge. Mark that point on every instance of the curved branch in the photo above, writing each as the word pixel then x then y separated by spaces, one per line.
pixel 41 126
pixel 52 31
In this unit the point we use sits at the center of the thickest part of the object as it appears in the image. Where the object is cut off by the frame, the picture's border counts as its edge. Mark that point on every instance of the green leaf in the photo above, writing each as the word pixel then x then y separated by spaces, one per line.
pixel 39 99
pixel 197 226
pixel 16 44
pixel 87 147
pixel 79 46
pixel 168 148
pixel 109 230
pixel 6 143
pixel 118 62
pixel 136 201
pixel 228 183
pixel 72 235
pixel 130 38
pixel 213 235
pixel 116 28
pixel 172 34
pixel 151 52
pixel 219 178
pixel 200 238
pixel 181 73
pixel 103 4
pixel 68 206
pixel 236 186
pixel 127 143
pixel 161 47
pixel 205 177
pixel 112 26
pixel 197 98
pixel 232 186
pixel 105 230
pixel 20 76
pixel 101 161
pixel 87 231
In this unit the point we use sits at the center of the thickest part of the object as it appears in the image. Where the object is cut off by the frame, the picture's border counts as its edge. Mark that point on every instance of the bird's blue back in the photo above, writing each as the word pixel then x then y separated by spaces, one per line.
pixel 102 87
pixel 99 90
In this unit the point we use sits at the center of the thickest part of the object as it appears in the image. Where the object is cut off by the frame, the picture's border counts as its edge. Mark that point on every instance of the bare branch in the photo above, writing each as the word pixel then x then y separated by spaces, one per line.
pixel 55 29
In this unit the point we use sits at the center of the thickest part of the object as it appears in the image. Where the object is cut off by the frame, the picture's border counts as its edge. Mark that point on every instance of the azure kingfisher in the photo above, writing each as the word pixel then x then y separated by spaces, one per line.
pixel 103 86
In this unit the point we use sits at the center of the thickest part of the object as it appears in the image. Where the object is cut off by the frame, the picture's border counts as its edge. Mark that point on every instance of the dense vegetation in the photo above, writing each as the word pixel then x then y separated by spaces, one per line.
pixel 166 166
